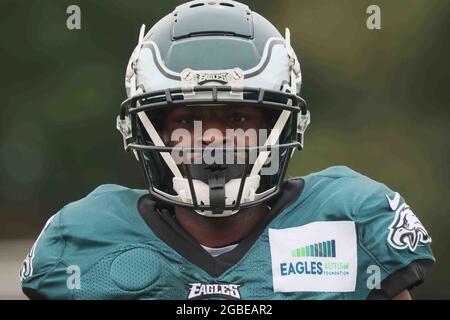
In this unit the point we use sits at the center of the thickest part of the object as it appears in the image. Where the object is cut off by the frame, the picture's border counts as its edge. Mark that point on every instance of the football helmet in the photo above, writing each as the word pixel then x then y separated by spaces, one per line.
pixel 213 54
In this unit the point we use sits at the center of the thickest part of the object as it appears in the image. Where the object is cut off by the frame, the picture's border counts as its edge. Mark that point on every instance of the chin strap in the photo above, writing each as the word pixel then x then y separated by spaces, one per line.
pixel 216 182
pixel 203 196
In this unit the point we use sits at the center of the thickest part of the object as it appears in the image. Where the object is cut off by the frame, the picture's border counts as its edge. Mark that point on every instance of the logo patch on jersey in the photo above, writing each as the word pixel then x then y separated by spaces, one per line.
pixel 406 231
pixel 317 257
pixel 199 291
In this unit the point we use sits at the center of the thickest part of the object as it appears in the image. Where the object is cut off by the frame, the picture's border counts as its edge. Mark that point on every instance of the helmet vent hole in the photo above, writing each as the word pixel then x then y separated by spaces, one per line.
pixel 234 202
pixel 226 4
pixel 196 5
pixel 202 203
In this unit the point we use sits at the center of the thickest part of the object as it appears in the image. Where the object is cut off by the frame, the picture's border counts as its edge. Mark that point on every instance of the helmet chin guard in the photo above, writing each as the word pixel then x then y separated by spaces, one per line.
pixel 188 60
pixel 216 193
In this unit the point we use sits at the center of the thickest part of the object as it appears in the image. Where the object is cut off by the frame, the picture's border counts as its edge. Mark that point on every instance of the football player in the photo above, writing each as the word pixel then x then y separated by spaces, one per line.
pixel 213 116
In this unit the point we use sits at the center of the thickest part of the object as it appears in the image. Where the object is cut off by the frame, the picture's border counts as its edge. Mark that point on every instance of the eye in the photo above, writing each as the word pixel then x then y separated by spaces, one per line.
pixel 185 120
pixel 237 117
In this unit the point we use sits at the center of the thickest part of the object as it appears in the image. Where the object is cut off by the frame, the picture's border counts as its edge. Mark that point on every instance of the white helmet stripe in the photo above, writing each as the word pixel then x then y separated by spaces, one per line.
pixel 132 65
pixel 151 131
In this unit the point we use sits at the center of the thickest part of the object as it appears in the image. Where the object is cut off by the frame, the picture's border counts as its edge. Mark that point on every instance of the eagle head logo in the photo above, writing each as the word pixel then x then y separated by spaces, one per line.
pixel 406 231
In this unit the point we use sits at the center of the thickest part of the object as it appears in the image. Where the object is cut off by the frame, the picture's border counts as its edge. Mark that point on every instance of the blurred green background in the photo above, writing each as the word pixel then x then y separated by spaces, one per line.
pixel 379 102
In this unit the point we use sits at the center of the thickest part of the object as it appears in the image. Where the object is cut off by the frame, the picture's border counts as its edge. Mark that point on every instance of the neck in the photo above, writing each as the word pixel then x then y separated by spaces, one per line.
pixel 219 232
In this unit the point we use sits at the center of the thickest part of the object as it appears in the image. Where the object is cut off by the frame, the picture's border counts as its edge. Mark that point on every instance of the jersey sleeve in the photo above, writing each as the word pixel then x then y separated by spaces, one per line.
pixel 71 258
pixel 43 274
pixel 394 238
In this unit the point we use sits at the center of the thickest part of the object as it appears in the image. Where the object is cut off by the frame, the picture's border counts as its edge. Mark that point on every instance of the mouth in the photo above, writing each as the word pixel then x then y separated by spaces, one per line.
pixel 204 172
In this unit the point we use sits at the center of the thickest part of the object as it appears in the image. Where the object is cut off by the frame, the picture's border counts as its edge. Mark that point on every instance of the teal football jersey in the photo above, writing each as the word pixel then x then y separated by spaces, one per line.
pixel 335 234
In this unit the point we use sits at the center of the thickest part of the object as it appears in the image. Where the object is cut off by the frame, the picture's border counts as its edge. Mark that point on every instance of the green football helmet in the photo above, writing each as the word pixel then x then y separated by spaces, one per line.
pixel 213 54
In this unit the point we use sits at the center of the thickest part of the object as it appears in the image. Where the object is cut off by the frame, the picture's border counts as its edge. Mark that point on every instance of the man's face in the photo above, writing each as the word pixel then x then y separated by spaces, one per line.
pixel 200 126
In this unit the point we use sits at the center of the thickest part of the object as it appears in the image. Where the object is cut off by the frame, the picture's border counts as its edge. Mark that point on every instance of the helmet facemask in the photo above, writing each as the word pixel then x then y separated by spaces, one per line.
pixel 216 179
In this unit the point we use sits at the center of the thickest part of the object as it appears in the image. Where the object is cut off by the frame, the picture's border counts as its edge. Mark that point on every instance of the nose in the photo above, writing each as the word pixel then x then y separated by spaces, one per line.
pixel 213 132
